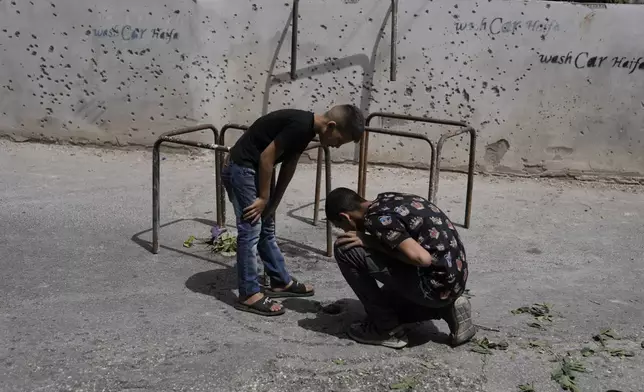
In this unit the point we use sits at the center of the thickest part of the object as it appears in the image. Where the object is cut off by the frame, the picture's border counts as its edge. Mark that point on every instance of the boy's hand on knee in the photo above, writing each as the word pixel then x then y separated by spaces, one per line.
pixel 349 240
pixel 254 211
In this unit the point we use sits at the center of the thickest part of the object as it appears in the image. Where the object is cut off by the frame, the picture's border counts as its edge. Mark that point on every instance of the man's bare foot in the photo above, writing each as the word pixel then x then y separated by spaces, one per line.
pixel 258 297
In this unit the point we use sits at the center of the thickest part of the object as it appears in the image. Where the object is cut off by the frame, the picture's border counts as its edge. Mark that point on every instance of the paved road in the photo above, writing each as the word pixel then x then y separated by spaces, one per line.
pixel 86 307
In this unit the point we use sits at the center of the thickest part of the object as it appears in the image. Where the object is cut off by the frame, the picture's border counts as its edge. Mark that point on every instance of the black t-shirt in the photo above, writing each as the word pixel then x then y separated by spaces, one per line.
pixel 395 217
pixel 291 129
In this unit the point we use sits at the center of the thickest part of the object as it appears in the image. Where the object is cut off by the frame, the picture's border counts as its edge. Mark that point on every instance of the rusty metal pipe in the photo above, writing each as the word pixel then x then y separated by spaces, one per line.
pixel 394 38
pixel 170 137
pixel 411 135
pixel 318 176
pixel 415 118
pixel 327 172
pixel 156 205
pixel 470 169
pixel 294 21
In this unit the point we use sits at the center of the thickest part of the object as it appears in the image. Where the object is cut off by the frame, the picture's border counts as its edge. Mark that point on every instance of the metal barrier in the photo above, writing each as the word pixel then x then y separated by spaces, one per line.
pixel 169 137
pixel 294 34
pixel 436 154
pixel 432 153
pixel 221 204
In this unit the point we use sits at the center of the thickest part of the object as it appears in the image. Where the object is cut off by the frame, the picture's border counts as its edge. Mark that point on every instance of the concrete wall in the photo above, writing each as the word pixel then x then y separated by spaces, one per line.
pixel 550 86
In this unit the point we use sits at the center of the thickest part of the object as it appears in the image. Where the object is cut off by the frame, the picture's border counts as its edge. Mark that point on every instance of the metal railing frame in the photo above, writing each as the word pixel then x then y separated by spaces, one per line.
pixel 436 154
pixel 170 137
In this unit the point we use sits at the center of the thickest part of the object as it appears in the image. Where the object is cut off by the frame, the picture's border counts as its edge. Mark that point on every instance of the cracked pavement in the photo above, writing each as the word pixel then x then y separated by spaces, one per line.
pixel 86 307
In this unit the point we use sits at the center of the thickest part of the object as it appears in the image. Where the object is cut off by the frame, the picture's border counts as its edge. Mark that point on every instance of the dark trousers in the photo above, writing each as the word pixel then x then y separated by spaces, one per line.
pixel 399 301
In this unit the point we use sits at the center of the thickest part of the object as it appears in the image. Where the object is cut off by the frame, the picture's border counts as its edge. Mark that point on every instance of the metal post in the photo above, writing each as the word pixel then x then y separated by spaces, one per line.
pixel 362 186
pixel 220 213
pixel 294 19
pixel 360 162
pixel 394 22
pixel 327 172
pixel 156 207
pixel 470 179
pixel 470 170
pixel 318 178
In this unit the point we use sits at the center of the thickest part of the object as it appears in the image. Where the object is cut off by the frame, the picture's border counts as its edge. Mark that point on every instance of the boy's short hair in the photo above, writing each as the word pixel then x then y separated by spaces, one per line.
pixel 341 200
pixel 349 119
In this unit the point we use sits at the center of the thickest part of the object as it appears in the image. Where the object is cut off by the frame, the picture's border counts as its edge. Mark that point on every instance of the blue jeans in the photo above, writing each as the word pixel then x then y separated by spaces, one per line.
pixel 241 185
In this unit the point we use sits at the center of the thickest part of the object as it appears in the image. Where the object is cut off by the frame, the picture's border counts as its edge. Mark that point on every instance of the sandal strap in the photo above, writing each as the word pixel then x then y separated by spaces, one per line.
pixel 264 305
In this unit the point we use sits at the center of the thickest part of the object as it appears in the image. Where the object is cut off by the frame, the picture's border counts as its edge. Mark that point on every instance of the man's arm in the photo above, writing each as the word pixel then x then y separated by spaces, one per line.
pixel 287 170
pixel 409 251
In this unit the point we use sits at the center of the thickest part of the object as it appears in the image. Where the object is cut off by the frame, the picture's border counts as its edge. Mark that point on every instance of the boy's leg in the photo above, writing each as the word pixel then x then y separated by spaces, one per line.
pixel 281 283
pixel 240 186
pixel 400 300
pixel 271 255
pixel 361 271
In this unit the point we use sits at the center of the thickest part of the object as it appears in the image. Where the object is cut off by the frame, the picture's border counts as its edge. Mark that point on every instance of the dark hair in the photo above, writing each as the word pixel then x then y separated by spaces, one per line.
pixel 349 119
pixel 341 200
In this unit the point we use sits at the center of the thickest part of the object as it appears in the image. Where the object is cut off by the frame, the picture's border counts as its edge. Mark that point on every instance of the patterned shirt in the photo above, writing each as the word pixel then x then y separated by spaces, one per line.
pixel 395 217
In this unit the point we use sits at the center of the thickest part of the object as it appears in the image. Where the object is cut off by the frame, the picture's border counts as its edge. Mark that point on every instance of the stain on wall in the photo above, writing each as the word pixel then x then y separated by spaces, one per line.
pixel 543 78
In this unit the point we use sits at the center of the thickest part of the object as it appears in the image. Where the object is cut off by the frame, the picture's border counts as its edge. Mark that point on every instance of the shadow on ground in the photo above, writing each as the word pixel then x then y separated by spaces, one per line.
pixel 335 319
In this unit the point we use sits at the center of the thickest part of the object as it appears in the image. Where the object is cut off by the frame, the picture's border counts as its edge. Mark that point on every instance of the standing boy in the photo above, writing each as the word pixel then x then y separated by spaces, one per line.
pixel 411 247
pixel 278 137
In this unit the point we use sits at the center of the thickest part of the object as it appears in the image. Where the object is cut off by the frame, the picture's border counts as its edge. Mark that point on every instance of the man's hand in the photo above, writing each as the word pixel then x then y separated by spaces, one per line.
pixel 349 240
pixel 254 211
pixel 269 210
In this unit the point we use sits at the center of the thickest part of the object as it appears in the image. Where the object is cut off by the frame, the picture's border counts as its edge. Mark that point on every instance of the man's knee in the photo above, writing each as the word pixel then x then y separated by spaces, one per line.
pixel 352 256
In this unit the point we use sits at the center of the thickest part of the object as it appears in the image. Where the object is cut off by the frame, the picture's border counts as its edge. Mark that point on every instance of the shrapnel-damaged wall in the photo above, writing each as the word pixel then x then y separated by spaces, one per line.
pixel 551 87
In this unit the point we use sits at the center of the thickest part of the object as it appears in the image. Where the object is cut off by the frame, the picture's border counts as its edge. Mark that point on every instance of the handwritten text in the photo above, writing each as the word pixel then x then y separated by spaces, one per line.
pixel 583 60
pixel 129 33
pixel 498 25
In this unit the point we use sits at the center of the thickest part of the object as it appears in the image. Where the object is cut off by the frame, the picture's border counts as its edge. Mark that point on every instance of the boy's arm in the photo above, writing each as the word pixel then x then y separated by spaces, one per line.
pixel 265 172
pixel 408 251
pixel 291 139
pixel 287 170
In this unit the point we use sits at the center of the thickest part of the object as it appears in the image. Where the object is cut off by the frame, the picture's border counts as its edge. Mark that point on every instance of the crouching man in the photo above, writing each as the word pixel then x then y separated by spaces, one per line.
pixel 409 245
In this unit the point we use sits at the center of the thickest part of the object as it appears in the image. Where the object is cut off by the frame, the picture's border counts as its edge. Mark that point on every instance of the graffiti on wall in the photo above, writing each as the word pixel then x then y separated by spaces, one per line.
pixel 498 25
pixel 130 33
pixel 584 60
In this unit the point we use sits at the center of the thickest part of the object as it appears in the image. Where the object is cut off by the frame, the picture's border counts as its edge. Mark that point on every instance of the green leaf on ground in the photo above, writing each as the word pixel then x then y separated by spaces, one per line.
pixel 526 388
pixel 605 335
pixel 188 243
pixel 574 365
pixel 484 346
pixel 540 346
pixel 481 350
pixel 565 374
pixel 225 244
pixel 541 312
pixel 339 361
pixel 587 351
pixel 406 384
pixel 618 352
pixel 536 325
pixel 428 365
